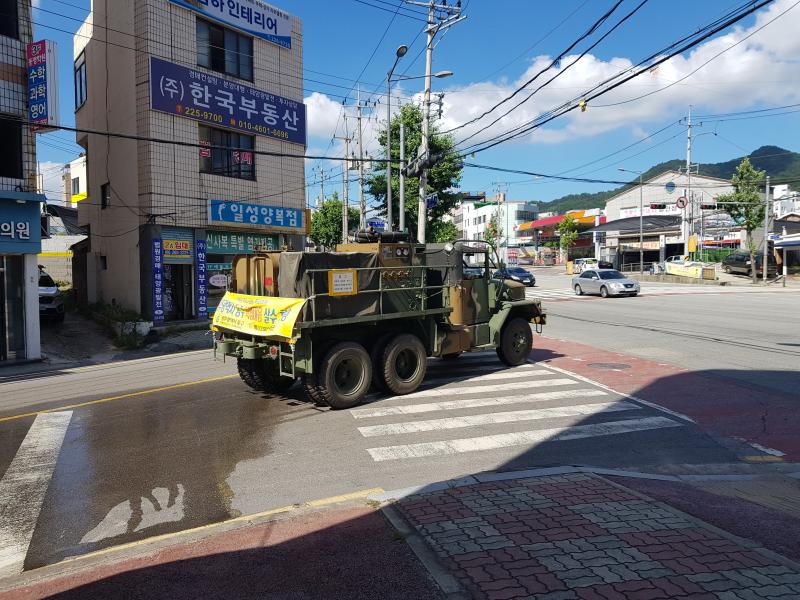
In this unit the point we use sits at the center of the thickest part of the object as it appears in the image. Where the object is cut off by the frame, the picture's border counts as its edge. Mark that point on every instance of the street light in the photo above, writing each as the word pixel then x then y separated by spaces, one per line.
pixel 641 242
pixel 400 53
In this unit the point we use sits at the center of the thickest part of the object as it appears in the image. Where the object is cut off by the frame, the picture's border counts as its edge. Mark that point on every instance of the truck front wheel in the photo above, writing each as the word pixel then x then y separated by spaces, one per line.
pixel 345 375
pixel 516 342
pixel 404 364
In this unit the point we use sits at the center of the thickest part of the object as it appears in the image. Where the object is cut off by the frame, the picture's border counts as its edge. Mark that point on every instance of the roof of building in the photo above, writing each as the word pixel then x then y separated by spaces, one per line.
pixel 579 215
pixel 695 176
pixel 68 216
pixel 649 223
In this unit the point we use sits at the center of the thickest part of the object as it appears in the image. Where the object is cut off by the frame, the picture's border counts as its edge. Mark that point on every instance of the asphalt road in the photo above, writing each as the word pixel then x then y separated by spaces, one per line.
pixel 736 332
pixel 135 449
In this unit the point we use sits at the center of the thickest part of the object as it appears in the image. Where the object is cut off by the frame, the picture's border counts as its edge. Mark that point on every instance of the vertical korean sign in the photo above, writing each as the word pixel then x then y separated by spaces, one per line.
pixel 158 282
pixel 42 85
pixel 202 282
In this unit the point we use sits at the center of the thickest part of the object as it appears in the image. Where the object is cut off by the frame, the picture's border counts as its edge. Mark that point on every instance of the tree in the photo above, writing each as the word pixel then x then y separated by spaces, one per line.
pixel 326 222
pixel 442 178
pixel 493 232
pixel 568 233
pixel 443 231
pixel 745 205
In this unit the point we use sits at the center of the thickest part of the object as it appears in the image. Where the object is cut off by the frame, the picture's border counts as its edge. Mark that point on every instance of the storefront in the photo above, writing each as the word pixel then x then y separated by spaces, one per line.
pixel 20 242
pixel 221 248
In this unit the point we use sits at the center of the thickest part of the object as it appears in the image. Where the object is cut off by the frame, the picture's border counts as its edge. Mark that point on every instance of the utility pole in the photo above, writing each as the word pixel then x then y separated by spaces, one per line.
pixel 453 15
pixel 345 182
pixel 402 215
pixel 686 223
pixel 767 208
pixel 362 221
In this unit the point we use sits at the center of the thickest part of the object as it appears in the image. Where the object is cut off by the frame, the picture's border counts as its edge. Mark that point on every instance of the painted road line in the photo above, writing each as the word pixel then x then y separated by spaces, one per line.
pixel 580 410
pixel 520 438
pixel 452 368
pixel 489 389
pixel 24 485
pixel 412 409
pixel 526 371
pixel 112 398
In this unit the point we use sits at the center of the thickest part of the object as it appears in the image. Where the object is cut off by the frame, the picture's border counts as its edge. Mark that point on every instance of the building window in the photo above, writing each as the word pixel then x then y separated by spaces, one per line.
pixel 80 81
pixel 526 215
pixel 231 163
pixel 76 186
pixel 11 149
pixel 9 23
pixel 105 195
pixel 223 50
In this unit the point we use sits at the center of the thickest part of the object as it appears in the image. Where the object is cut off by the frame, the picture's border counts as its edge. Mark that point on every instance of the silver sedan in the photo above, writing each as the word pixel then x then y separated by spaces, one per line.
pixel 606 282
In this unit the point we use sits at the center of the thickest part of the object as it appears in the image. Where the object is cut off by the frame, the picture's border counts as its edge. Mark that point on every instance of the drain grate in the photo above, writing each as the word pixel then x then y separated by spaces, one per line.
pixel 610 366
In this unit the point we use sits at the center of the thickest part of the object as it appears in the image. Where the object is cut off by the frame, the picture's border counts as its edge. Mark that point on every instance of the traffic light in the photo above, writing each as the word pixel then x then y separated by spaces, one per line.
pixel 658 206
pixel 708 207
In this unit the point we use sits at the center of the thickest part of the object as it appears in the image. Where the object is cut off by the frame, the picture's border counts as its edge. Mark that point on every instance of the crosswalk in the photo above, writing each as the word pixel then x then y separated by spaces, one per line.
pixel 648 289
pixel 477 394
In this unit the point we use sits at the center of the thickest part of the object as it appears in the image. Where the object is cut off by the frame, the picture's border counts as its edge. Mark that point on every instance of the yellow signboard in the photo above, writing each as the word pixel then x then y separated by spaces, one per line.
pixel 258 315
pixel 342 282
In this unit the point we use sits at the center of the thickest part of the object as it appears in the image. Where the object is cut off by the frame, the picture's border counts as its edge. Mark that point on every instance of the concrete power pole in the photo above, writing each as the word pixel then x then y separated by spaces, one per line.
pixel 766 231
pixel 345 182
pixel 453 15
pixel 685 222
pixel 402 208
pixel 362 221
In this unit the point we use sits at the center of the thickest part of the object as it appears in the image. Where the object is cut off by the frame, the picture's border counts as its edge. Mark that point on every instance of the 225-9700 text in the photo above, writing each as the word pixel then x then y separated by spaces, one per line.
pixel 202 114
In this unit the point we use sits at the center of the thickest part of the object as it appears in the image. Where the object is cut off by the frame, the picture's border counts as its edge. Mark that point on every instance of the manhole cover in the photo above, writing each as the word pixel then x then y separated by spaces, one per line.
pixel 611 366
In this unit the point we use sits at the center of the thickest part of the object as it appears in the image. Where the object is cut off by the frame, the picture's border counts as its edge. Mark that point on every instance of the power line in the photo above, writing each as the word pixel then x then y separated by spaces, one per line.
pixel 593 93
pixel 389 10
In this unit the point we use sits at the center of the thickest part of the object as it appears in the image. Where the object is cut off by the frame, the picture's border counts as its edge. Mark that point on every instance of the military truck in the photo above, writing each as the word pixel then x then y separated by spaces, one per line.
pixel 368 315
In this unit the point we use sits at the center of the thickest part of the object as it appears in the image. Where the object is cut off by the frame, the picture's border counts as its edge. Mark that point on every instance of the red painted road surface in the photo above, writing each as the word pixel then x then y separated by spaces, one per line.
pixel 724 406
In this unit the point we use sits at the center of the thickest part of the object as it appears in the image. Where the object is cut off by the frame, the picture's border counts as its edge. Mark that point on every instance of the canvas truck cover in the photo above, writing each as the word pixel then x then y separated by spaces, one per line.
pixel 295 281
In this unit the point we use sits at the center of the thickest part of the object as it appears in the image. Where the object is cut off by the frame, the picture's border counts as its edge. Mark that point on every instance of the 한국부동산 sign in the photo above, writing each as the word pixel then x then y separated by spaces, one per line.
pixel 210 99
pixel 251 16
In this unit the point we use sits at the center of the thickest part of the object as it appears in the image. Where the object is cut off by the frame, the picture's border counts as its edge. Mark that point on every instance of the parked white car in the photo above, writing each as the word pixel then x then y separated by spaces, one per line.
pixel 581 264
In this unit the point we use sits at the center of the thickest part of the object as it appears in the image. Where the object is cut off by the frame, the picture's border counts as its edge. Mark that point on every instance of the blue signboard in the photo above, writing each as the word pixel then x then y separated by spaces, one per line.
pixel 376 225
pixel 213 100
pixel 158 281
pixel 202 281
pixel 223 211
pixel 42 97
pixel 253 16
pixel 431 200
pixel 20 227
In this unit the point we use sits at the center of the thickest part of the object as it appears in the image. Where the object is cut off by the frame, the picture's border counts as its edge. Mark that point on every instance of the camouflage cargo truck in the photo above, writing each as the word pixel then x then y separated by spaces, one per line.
pixel 368 315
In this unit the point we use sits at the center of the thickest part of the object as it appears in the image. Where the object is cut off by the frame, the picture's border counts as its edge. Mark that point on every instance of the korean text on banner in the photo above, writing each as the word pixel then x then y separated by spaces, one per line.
pixel 42 85
pixel 258 315
pixel 252 16
pixel 210 99
pixel 223 211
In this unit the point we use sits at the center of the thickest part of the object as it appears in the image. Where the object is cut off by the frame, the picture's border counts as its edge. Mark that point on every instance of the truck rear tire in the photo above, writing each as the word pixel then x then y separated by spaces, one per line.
pixel 404 364
pixel 516 342
pixel 261 376
pixel 345 375
pixel 376 356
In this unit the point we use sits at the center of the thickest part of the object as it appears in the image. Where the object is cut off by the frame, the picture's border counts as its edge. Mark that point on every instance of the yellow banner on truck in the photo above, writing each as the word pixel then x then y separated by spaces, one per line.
pixel 258 315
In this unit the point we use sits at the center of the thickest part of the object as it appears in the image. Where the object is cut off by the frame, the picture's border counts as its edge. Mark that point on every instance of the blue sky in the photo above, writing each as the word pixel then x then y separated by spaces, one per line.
pixel 494 49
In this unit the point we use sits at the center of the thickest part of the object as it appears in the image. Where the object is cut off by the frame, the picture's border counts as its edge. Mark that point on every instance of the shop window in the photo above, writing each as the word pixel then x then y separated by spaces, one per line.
pixel 80 81
pixel 10 149
pixel 223 50
pixel 9 23
pixel 230 163
pixel 105 195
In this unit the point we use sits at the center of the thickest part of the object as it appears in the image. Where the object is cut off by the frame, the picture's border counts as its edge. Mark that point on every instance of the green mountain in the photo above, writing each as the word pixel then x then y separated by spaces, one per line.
pixel 781 164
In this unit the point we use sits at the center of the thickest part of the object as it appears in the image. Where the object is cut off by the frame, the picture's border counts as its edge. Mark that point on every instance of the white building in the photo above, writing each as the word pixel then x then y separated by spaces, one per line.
pixel 473 216
pixel 75 181
pixel 785 201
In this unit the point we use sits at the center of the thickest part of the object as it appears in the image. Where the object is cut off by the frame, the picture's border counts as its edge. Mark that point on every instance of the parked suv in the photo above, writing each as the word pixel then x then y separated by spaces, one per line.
pixel 51 302
pixel 739 262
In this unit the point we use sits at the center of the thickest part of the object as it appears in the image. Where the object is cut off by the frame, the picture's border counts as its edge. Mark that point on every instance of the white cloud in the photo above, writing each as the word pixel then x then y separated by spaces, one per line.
pixel 761 69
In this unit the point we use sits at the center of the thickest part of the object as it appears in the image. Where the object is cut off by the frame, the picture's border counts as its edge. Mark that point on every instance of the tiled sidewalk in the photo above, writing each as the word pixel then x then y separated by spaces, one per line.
pixel 580 537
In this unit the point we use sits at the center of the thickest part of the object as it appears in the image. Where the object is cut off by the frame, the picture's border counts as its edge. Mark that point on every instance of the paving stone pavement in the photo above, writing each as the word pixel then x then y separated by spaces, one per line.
pixel 579 537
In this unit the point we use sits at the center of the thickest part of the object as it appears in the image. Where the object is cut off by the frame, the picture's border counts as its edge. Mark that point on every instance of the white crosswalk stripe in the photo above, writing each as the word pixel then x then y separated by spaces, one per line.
pixel 504 398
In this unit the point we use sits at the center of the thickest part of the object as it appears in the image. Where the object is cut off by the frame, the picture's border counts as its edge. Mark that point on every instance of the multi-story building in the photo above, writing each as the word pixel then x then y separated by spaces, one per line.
pixel 20 212
pixel 474 213
pixel 204 102
pixel 75 181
